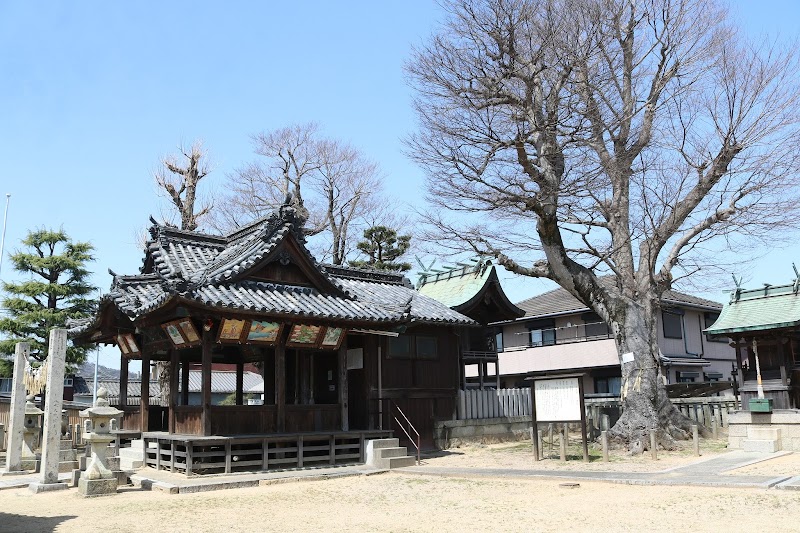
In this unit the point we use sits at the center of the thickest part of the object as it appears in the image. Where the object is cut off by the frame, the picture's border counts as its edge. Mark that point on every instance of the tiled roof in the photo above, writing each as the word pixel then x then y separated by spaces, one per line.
pixel 224 382
pixel 208 270
pixel 456 286
pixel 559 301
pixel 760 309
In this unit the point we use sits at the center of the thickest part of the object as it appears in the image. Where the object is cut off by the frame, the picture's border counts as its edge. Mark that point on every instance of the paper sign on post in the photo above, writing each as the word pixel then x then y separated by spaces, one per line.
pixel 627 358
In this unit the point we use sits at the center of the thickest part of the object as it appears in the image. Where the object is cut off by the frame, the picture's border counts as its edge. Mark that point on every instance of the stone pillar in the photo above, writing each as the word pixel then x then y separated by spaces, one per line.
pixel 17 419
pixel 51 445
pixel 98 479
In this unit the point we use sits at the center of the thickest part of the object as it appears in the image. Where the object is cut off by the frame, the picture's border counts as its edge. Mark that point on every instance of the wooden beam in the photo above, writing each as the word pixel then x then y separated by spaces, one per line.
pixel 280 386
pixel 343 396
pixel 185 378
pixel 144 407
pixel 239 382
pixel 208 339
pixel 123 382
pixel 173 389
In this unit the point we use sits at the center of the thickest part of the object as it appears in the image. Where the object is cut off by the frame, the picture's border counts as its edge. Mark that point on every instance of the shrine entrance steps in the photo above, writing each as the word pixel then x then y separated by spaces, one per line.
pixel 197 455
pixel 388 454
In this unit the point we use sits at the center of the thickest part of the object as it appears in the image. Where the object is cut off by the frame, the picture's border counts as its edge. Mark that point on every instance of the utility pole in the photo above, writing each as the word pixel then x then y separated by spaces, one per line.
pixel 3 239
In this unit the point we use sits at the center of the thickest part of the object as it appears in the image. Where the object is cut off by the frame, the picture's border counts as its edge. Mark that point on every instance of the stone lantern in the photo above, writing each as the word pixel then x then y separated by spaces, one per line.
pixel 33 418
pixel 98 479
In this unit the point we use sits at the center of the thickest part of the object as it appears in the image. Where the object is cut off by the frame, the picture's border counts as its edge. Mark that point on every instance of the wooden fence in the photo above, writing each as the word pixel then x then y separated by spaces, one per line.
pixel 503 403
pixel 497 403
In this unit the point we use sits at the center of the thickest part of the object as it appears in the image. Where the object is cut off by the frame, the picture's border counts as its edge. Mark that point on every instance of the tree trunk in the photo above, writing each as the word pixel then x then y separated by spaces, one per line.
pixel 645 402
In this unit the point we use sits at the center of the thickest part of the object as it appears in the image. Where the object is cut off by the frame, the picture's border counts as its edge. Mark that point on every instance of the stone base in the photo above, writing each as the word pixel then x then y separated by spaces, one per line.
pixel 779 430
pixel 37 487
pixel 90 488
pixel 763 446
pixel 29 464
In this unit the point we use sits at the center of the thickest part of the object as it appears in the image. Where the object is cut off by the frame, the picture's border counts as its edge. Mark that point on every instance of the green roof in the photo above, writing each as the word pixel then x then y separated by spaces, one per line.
pixel 759 310
pixel 455 287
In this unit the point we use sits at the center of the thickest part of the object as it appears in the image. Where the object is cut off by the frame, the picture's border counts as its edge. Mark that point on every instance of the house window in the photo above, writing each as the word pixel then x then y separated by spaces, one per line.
pixel 713 376
pixel 427 347
pixel 709 319
pixel 498 341
pixel 543 337
pixel 610 385
pixel 399 347
pixel 686 377
pixel 672 325
pixel 594 326
pixel 68 382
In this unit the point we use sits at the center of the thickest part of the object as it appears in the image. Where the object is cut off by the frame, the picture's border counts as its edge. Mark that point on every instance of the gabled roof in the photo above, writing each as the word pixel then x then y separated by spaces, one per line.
pixel 218 272
pixel 760 310
pixel 560 302
pixel 469 288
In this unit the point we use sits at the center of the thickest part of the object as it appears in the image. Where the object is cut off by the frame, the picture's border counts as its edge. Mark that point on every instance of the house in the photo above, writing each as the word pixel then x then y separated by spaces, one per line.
pixel 343 351
pixel 473 289
pixel 558 333
pixel 223 385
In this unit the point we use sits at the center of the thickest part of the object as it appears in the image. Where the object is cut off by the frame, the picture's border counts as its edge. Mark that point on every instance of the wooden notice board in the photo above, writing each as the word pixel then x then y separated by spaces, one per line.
pixel 557 398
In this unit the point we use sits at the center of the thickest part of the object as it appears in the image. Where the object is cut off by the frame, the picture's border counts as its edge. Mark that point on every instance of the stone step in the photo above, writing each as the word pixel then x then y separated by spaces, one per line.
pixel 762 433
pixel 384 453
pixel 384 443
pixel 131 453
pixel 761 445
pixel 130 464
pixel 395 462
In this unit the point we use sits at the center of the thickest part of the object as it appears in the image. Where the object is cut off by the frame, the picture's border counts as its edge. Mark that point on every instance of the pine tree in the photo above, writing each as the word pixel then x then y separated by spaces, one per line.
pixel 57 290
pixel 383 246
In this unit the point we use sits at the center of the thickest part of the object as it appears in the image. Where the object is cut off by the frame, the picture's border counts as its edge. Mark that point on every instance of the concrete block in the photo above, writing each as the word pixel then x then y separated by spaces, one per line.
pixel 737 430
pixel 735 443
pixel 763 433
pixel 763 446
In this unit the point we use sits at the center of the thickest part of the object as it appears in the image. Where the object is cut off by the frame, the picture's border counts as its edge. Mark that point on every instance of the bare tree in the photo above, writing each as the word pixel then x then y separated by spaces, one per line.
pixel 332 185
pixel 624 137
pixel 178 177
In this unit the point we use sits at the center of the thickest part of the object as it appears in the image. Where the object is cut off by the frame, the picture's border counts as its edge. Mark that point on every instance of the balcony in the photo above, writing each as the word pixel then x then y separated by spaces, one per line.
pixel 563 335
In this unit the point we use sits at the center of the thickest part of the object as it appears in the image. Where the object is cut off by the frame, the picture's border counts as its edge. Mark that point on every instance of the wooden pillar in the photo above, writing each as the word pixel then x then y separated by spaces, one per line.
pixel 144 407
pixel 782 359
pixel 343 386
pixel 280 386
pixel 239 382
pixel 208 339
pixel 123 382
pixel 185 378
pixel 173 387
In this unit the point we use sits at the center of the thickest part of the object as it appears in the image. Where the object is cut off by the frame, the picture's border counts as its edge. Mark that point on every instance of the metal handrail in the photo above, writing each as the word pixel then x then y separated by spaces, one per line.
pixel 411 427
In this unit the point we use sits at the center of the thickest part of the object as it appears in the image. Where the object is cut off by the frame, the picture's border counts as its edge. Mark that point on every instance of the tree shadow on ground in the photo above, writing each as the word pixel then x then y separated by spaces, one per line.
pixel 31 524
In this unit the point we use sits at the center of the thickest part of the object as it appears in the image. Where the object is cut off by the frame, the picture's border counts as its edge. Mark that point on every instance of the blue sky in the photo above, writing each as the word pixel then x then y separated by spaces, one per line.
pixel 94 93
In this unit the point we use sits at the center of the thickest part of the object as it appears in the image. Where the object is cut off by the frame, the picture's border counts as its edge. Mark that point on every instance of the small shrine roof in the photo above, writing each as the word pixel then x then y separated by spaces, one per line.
pixel 767 308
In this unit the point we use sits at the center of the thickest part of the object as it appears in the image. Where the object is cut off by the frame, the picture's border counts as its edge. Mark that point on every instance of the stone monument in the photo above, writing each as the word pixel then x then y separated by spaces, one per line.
pixel 33 415
pixel 51 448
pixel 17 414
pixel 98 479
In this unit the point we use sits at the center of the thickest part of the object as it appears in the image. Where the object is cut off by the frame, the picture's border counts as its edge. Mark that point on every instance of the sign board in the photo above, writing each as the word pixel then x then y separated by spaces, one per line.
pixel 558 400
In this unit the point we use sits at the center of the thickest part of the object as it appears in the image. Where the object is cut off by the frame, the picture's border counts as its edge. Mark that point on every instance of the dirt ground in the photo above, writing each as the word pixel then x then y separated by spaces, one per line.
pixel 398 502
pixel 404 502
pixel 520 455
